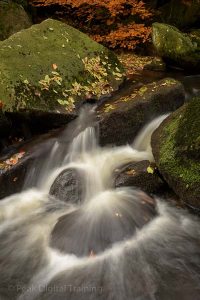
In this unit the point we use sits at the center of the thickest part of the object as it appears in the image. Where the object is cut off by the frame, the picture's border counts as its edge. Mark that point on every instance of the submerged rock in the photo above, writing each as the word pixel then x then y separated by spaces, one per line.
pixel 48 70
pixel 142 175
pixel 68 186
pixel 122 119
pixel 13 18
pixel 176 148
pixel 175 46
pixel 96 227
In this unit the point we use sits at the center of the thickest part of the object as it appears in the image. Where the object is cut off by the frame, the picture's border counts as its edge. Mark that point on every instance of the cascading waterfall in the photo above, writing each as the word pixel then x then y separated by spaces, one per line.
pixel 113 244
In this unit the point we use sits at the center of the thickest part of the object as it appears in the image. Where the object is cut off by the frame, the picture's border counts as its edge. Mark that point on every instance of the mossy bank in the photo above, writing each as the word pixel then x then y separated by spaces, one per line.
pixel 176 148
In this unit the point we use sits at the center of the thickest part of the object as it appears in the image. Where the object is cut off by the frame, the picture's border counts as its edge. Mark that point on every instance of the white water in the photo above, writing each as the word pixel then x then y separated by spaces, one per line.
pixel 117 244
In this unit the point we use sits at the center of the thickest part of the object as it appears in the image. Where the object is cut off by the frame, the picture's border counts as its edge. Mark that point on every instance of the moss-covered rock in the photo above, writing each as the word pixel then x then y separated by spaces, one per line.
pixel 13 18
pixel 121 120
pixel 175 46
pixel 176 148
pixel 52 67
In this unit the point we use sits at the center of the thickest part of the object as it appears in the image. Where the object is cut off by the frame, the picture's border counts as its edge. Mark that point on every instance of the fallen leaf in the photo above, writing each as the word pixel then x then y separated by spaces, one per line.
pixel 54 66
pixel 150 170
pixel 131 172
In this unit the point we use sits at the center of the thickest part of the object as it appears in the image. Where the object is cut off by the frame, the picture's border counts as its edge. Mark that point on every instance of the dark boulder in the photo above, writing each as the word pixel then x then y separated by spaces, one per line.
pixel 176 148
pixel 68 186
pixel 121 120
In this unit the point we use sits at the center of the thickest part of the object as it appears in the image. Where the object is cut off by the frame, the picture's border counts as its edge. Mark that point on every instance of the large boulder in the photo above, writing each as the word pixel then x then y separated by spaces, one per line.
pixel 121 120
pixel 176 148
pixel 51 68
pixel 13 18
pixel 176 47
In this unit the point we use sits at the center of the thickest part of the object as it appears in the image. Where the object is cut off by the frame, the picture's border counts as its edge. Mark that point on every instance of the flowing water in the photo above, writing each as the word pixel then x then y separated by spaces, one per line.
pixel 112 244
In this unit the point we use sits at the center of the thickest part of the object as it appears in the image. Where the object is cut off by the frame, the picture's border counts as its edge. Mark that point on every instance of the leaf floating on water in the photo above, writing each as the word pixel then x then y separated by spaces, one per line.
pixel 150 170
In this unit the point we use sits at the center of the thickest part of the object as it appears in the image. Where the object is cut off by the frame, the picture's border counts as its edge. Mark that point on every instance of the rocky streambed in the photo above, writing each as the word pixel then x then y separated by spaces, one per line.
pixel 55 78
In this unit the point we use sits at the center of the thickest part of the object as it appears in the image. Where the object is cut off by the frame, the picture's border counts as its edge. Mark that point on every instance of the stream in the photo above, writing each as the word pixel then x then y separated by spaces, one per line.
pixel 104 243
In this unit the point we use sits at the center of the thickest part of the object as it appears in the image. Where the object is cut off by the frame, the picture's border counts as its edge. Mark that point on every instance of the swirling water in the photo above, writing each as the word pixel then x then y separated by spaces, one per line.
pixel 115 244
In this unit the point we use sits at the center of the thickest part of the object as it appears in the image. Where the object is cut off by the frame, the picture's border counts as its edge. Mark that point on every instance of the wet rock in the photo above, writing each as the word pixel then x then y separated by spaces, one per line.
pixel 13 18
pixel 68 186
pixel 176 148
pixel 142 175
pixel 122 119
pixel 89 231
pixel 48 70
pixel 176 47
pixel 12 177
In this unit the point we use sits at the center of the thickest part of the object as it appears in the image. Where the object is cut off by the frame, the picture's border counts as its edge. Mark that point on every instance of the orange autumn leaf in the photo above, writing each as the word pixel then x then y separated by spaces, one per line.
pixel 54 66
pixel 13 160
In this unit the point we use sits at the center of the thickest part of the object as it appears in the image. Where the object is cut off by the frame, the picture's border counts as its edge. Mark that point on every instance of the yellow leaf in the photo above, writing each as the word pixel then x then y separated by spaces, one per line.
pixel 150 170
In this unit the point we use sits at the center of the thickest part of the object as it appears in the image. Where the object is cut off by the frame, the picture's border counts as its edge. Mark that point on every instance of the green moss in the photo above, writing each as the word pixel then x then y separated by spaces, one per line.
pixel 44 67
pixel 175 45
pixel 181 129
pixel 188 133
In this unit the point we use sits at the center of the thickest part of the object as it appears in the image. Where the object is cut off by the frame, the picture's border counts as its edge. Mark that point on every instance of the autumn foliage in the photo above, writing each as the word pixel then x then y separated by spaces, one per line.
pixel 115 23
